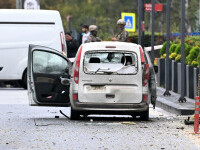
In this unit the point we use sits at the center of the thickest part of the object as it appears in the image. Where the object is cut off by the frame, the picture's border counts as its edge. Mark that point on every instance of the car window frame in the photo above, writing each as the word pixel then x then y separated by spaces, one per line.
pixel 119 51
pixel 63 57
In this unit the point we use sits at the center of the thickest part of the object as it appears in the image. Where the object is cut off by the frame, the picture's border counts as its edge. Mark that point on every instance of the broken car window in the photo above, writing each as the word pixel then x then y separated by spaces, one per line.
pixel 49 63
pixel 110 63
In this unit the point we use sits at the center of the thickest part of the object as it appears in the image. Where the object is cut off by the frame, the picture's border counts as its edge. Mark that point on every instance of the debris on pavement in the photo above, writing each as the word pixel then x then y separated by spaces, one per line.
pixel 44 124
pixel 131 123
pixel 64 114
pixel 180 128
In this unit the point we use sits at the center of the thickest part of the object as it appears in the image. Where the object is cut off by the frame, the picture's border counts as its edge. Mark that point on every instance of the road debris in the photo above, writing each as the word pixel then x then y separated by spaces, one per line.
pixel 44 124
pixel 64 115
pixel 131 123
pixel 180 128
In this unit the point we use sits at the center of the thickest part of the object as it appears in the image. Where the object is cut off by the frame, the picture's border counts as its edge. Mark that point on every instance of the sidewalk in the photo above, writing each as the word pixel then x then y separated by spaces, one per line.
pixel 171 104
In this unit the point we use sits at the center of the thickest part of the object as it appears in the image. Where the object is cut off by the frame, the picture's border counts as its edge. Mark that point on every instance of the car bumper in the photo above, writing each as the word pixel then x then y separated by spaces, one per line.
pixel 107 108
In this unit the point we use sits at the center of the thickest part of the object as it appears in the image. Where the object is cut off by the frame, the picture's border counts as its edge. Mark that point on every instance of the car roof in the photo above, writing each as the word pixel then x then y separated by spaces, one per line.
pixel 23 15
pixel 108 45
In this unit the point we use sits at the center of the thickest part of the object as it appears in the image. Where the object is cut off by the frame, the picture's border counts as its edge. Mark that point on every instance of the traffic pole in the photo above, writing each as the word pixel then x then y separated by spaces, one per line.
pixel 167 75
pixel 182 98
pixel 196 115
pixel 152 29
pixel 139 22
pixel 142 24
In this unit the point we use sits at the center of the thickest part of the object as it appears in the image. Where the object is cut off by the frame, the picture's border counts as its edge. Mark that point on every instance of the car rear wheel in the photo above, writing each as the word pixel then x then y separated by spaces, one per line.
pixel 145 115
pixel 75 115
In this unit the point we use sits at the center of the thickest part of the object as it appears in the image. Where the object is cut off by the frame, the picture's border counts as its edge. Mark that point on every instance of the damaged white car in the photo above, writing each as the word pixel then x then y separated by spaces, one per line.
pixel 106 78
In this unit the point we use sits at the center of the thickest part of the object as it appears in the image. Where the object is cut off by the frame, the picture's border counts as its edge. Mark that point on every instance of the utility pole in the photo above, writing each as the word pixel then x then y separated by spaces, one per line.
pixel 152 30
pixel 182 98
pixel 142 24
pixel 139 22
pixel 167 93
pixel 17 4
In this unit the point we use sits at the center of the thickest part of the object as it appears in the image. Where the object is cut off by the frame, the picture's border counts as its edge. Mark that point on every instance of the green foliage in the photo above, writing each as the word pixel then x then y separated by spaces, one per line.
pixel 163 49
pixel 187 49
pixel 163 56
pixel 178 58
pixel 178 49
pixel 177 40
pixel 172 55
pixel 193 56
pixel 193 40
pixel 194 63
pixel 172 48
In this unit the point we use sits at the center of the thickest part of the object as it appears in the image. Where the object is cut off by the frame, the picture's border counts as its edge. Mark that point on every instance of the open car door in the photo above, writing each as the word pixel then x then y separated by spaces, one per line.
pixel 48 77
pixel 152 80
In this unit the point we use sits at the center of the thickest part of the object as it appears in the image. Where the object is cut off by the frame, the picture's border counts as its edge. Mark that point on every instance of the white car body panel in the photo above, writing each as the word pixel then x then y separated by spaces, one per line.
pixel 21 28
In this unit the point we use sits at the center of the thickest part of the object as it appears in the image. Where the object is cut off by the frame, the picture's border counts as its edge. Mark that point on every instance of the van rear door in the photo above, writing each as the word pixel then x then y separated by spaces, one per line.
pixel 48 77
pixel 110 77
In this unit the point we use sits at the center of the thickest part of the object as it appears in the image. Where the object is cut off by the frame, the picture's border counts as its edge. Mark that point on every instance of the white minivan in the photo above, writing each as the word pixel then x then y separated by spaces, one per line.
pixel 106 77
pixel 18 29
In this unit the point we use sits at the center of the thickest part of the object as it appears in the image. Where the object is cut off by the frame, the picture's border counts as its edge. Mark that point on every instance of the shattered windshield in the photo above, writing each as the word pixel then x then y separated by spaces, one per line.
pixel 110 63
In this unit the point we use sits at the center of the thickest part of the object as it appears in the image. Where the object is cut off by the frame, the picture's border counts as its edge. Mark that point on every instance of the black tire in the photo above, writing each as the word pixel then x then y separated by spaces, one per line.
pixel 75 115
pixel 145 115
pixel 23 82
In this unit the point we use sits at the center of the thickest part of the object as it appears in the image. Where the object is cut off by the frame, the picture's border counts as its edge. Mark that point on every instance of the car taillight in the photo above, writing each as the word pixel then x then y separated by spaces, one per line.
pixel 77 65
pixel 142 55
pixel 146 74
pixel 75 96
pixel 144 97
pixel 62 40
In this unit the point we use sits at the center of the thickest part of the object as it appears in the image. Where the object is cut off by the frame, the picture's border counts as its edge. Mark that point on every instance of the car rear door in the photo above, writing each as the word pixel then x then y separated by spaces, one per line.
pixel 96 87
pixel 46 69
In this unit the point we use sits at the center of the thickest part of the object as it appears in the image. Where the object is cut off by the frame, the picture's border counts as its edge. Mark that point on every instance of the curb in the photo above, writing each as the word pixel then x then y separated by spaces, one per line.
pixel 171 104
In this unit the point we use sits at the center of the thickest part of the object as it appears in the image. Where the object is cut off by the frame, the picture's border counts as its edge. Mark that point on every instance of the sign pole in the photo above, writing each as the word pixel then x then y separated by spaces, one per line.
pixel 182 98
pixel 167 83
pixel 139 22
pixel 142 24
pixel 152 30
pixel 17 4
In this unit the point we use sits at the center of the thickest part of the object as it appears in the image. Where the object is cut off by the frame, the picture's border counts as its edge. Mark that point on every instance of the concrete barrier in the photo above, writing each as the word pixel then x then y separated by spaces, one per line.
pixel 174 77
pixel 161 71
pixel 189 81
pixel 179 80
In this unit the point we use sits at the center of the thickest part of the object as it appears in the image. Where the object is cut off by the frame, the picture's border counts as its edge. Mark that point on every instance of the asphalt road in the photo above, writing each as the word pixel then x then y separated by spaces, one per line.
pixel 25 127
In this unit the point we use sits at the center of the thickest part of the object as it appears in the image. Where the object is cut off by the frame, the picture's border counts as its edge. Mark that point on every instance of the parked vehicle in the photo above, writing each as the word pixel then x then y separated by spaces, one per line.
pixel 106 77
pixel 18 29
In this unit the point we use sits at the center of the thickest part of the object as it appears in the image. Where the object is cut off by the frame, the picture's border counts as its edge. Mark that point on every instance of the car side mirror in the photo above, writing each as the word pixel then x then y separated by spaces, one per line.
pixel 65 81
pixel 155 69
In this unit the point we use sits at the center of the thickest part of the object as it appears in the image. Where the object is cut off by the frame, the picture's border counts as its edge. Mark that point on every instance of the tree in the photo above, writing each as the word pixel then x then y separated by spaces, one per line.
pixel 4 4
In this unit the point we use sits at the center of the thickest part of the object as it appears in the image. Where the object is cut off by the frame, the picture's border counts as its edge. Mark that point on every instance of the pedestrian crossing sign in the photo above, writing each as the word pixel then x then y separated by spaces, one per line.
pixel 130 20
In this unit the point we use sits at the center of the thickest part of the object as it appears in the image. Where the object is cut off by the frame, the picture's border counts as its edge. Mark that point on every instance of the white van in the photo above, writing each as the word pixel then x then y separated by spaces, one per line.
pixel 112 77
pixel 106 77
pixel 18 29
